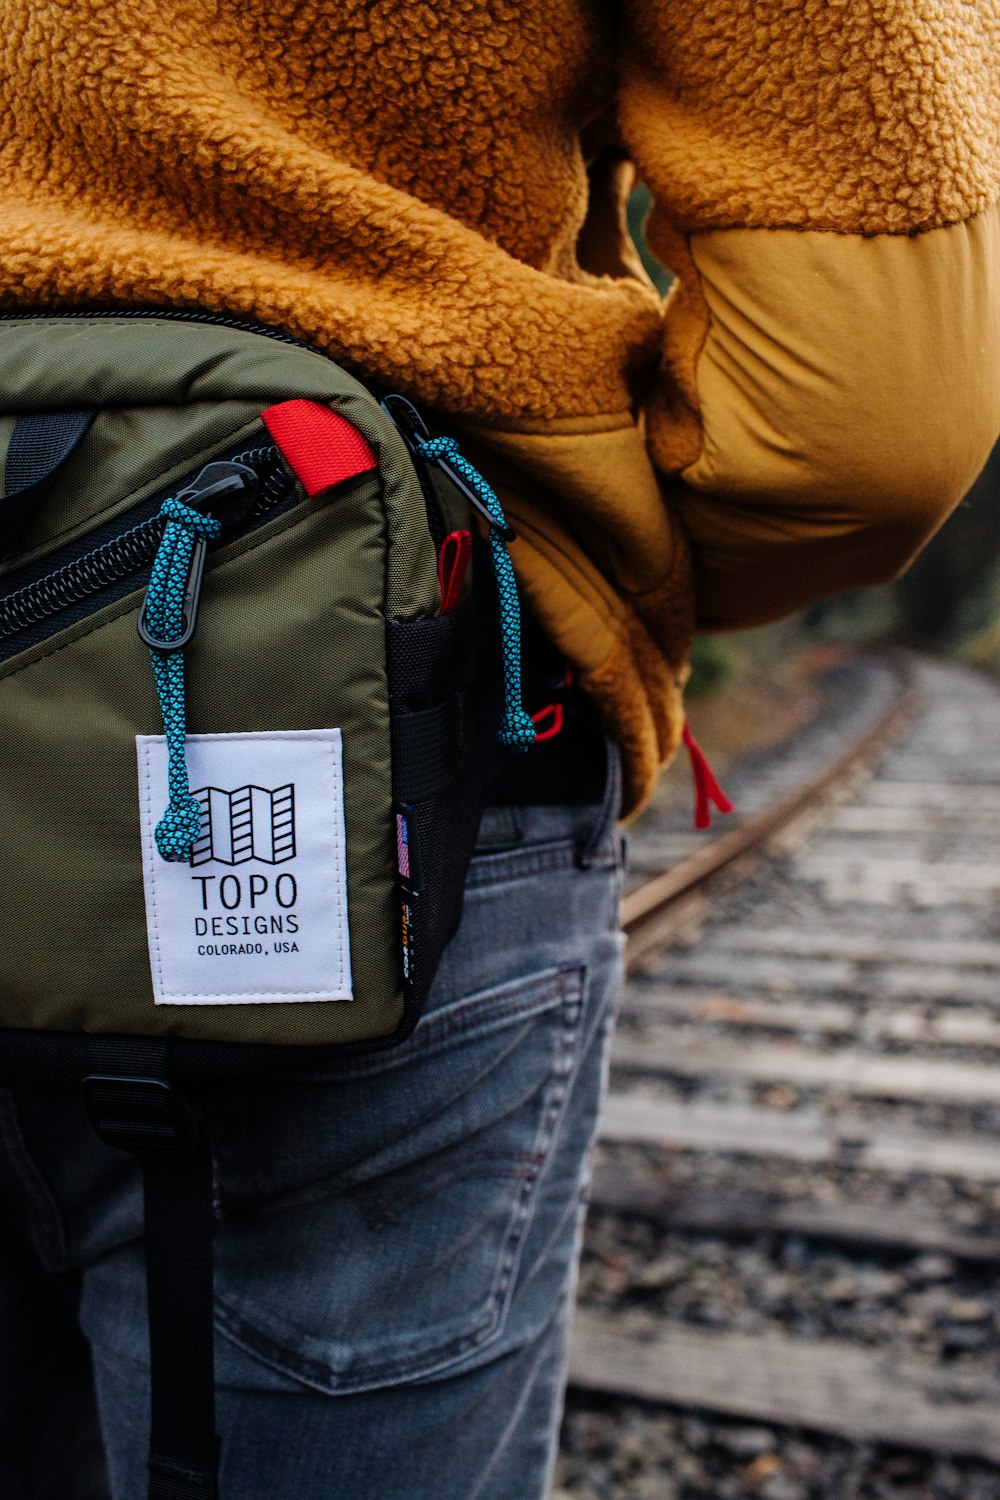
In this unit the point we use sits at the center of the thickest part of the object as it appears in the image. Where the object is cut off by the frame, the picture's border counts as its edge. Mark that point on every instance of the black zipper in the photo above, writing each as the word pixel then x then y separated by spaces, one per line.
pixel 73 586
pixel 401 412
pixel 107 568
pixel 168 314
pixel 412 428
pixel 86 573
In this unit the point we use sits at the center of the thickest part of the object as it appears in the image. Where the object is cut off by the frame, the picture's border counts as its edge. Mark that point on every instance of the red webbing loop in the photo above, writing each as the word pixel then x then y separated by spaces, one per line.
pixel 453 563
pixel 320 447
pixel 555 713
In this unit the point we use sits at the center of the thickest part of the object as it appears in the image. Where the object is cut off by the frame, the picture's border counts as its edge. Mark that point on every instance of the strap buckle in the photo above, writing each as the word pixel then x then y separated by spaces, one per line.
pixel 140 1114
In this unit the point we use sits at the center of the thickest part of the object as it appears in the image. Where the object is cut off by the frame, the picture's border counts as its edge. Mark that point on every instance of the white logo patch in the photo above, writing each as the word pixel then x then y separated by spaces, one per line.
pixel 260 912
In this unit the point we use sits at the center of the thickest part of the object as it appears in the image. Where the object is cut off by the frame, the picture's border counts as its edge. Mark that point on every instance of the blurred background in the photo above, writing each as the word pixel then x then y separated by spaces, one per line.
pixel 790 1286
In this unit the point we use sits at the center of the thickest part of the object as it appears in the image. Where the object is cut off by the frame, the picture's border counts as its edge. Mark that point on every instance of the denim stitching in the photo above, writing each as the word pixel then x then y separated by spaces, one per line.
pixel 552 1111
pixel 379 1212
pixel 452 1351
pixel 528 1000
pixel 602 835
pixel 473 1015
pixel 534 859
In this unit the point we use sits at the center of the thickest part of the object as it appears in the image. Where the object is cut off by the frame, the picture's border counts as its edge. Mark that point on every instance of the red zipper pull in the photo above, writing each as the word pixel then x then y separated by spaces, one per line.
pixel 553 713
pixel 453 563
pixel 551 720
pixel 706 788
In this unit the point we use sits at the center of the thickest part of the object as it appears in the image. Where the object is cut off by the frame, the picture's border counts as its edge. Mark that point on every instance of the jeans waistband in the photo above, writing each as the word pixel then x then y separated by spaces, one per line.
pixel 590 826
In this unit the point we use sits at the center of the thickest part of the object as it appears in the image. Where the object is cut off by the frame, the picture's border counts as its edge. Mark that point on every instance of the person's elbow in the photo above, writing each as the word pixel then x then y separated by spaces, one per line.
pixel 900 480
pixel 848 393
pixel 787 524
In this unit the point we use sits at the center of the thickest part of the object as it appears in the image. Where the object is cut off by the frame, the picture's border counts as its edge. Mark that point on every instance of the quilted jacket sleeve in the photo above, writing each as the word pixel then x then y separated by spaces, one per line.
pixel 825 176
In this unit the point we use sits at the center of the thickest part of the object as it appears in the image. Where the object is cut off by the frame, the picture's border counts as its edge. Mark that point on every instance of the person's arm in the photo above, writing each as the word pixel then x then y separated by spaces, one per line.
pixel 825 179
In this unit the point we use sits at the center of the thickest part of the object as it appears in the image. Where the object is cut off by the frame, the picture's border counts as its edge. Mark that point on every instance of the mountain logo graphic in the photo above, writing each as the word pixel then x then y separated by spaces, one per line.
pixel 249 823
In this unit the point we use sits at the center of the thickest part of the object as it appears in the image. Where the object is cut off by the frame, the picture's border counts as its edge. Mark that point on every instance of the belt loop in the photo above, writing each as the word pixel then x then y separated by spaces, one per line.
pixel 609 810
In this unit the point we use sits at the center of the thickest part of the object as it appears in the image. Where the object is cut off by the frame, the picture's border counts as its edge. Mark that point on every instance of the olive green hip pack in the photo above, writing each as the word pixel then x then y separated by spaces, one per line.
pixel 245 686
pixel 250 696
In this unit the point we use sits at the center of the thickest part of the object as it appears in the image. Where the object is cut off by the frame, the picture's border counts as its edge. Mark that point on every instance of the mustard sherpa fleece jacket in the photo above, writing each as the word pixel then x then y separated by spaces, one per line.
pixel 433 192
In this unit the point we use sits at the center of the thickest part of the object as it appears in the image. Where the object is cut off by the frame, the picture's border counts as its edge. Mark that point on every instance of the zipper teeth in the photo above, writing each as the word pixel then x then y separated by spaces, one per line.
pixel 123 554
pixel 169 314
pixel 77 580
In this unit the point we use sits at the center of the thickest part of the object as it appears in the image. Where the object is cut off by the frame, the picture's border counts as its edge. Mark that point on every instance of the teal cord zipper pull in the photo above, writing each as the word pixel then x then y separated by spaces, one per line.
pixel 167 621
pixel 168 617
pixel 517 732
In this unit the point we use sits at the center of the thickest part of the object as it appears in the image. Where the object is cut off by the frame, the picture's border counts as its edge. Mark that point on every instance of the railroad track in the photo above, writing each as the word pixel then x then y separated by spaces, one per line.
pixel 792 1255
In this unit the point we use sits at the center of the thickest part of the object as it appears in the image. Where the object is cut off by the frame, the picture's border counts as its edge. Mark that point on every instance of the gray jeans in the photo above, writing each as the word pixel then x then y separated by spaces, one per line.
pixel 396 1242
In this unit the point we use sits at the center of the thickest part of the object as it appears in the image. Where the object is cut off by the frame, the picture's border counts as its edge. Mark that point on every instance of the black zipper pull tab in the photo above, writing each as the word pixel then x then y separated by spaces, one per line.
pixel 496 521
pixel 192 598
pixel 405 416
pixel 417 437
pixel 226 492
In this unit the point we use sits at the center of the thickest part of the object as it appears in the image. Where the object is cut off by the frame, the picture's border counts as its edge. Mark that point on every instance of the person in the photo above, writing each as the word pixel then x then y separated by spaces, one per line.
pixel 434 195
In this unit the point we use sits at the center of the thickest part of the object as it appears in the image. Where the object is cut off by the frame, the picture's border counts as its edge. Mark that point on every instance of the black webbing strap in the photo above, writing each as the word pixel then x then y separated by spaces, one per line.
pixel 38 445
pixel 147 1116
pixel 183 1450
pixel 426 749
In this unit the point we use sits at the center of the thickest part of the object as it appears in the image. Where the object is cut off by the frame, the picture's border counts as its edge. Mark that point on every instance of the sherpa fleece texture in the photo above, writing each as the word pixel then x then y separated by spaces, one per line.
pixel 433 192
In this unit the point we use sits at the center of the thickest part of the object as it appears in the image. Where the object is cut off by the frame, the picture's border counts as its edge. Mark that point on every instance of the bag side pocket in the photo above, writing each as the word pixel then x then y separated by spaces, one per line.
pixel 436 772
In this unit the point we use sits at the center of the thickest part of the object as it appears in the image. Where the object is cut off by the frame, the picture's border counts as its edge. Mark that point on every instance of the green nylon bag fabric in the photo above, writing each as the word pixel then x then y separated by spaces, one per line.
pixel 291 635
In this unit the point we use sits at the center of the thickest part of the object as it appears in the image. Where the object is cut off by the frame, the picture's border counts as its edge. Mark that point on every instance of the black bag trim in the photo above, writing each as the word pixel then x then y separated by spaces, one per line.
pixel 143 1113
pixel 427 748
pixel 38 446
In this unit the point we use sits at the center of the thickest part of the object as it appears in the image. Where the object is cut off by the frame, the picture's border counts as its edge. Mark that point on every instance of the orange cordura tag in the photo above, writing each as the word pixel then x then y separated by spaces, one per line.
pixel 319 445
